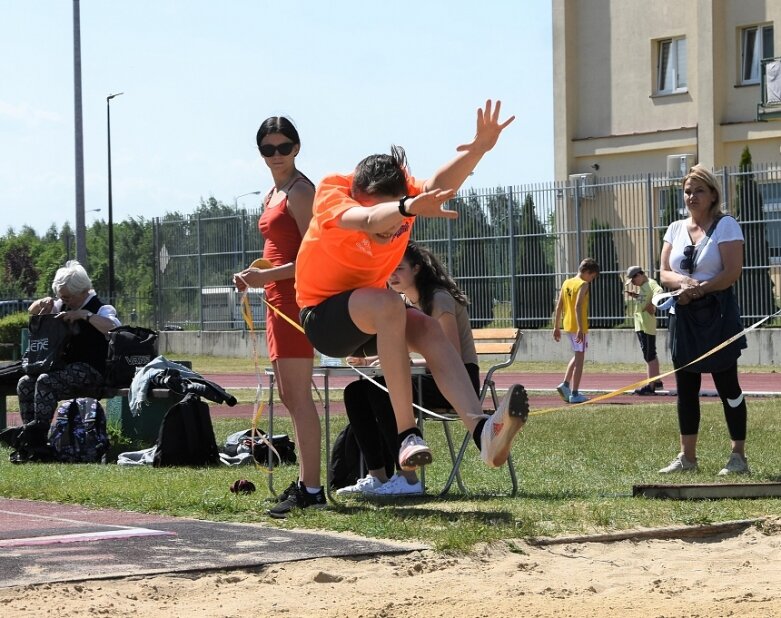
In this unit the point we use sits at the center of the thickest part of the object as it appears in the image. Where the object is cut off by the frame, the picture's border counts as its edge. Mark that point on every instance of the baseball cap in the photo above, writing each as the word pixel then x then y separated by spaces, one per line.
pixel 632 271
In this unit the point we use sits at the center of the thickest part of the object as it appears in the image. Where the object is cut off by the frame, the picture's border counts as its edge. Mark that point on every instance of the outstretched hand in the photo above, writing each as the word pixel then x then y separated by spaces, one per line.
pixel 432 204
pixel 488 128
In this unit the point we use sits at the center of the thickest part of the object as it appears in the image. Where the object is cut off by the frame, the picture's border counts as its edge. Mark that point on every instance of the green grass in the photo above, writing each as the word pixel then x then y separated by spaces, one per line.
pixel 576 471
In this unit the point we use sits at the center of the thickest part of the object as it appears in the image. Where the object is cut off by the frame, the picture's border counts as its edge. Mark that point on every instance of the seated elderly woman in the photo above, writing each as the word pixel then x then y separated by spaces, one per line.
pixel 85 358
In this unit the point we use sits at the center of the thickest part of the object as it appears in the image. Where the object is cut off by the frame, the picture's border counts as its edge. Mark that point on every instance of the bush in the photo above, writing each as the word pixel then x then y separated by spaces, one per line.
pixel 11 332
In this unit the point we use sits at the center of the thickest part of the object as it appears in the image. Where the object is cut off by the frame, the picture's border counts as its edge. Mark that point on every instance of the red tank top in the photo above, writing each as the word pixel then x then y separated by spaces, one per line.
pixel 281 242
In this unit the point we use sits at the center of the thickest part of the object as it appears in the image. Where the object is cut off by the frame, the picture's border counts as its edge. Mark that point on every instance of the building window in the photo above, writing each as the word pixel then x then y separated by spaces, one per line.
pixel 671 66
pixel 756 44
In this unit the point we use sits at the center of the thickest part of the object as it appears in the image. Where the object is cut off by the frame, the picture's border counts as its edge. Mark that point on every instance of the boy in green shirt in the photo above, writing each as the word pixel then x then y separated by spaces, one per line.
pixel 644 313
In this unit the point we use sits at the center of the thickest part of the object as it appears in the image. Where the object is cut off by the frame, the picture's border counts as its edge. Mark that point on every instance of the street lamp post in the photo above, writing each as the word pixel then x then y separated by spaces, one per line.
pixel 236 199
pixel 110 204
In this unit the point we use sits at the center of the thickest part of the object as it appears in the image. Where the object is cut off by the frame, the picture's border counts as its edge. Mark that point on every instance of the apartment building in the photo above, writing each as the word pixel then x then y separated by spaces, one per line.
pixel 641 85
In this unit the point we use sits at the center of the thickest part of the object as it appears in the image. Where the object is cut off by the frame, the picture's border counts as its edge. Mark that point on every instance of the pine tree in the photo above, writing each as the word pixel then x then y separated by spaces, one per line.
pixel 535 294
pixel 607 294
pixel 754 289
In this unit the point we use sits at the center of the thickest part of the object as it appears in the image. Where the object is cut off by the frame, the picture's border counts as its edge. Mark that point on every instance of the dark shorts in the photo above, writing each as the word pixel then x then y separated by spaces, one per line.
pixel 332 332
pixel 647 345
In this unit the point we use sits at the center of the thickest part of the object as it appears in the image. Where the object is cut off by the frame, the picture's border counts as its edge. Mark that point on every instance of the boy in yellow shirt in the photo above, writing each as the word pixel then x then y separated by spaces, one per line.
pixel 573 307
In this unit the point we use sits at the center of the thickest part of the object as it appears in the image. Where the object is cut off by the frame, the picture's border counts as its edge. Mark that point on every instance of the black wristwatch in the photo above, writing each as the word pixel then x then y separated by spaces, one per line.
pixel 403 209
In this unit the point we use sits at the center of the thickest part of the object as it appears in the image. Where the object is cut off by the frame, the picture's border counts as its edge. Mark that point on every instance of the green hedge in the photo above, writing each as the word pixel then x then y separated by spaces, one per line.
pixel 11 332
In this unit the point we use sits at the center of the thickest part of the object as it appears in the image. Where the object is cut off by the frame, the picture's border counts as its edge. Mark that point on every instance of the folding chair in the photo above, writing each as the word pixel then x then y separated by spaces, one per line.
pixel 493 342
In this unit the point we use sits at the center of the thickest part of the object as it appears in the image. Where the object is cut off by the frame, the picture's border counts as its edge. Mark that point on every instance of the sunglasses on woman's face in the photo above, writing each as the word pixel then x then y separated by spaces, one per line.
pixel 268 150
pixel 687 263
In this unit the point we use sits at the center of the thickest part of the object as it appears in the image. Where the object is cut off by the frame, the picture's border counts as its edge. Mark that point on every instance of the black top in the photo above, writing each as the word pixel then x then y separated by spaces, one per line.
pixel 88 344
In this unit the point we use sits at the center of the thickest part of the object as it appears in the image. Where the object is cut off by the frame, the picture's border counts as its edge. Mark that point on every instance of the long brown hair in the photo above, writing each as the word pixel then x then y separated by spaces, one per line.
pixel 431 276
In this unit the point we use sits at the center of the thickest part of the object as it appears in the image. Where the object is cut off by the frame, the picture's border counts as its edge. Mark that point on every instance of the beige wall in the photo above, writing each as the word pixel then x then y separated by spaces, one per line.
pixel 605 110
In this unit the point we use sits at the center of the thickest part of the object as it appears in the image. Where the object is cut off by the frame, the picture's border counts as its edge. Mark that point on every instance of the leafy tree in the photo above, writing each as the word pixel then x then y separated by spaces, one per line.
pixel 755 287
pixel 606 306
pixel 19 268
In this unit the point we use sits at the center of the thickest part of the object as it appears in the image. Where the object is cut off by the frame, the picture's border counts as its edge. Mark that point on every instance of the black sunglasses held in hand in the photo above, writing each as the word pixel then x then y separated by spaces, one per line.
pixel 687 263
pixel 268 150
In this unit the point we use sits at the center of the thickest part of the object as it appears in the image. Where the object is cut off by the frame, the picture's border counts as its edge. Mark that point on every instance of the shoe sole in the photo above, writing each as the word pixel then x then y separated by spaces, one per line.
pixel 416 459
pixel 285 514
pixel 562 394
pixel 516 404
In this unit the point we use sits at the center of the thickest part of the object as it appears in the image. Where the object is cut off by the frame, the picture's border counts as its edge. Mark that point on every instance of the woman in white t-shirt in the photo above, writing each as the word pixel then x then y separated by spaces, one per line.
pixel 703 254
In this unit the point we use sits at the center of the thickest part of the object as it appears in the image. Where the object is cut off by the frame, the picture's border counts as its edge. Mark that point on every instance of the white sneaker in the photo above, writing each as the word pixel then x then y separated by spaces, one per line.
pixel 735 465
pixel 501 427
pixel 397 485
pixel 579 398
pixel 364 485
pixel 679 464
pixel 414 452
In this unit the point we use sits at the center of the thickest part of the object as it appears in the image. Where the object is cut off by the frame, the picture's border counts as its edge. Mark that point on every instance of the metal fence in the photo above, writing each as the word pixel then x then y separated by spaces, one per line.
pixel 510 248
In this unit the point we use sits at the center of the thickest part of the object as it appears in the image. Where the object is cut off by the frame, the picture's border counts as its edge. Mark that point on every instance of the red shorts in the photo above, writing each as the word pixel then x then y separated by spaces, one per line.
pixel 283 340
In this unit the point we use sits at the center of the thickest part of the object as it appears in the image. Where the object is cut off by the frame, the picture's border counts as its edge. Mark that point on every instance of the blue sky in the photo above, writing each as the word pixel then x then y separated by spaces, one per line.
pixel 199 77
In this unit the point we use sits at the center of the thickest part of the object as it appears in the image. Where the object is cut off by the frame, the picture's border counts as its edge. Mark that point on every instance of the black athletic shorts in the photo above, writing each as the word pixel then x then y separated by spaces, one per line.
pixel 332 332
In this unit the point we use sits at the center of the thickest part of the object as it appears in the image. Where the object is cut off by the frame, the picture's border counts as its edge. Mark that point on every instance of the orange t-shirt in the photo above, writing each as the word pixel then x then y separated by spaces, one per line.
pixel 331 259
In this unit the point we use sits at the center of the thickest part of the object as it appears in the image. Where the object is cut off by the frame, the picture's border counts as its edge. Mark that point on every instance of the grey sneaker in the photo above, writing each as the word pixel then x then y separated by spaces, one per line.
pixel 679 464
pixel 735 465
pixel 501 427
pixel 564 391
pixel 579 398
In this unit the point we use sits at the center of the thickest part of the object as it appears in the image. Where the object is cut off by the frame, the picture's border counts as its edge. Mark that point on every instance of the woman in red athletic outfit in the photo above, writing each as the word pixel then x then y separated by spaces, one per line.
pixel 287 210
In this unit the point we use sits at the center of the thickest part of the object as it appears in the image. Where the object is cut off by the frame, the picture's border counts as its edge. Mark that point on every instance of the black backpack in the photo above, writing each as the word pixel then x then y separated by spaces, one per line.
pixel 345 466
pixel 186 436
pixel 129 348
pixel 78 434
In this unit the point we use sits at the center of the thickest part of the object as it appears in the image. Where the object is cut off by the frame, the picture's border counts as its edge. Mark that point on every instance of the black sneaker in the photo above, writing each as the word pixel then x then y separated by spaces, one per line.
pixel 298 498
pixel 285 493
pixel 646 390
pixel 658 384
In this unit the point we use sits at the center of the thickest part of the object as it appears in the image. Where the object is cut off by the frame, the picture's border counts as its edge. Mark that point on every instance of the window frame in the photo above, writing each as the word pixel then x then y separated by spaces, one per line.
pixel 672 64
pixel 758 52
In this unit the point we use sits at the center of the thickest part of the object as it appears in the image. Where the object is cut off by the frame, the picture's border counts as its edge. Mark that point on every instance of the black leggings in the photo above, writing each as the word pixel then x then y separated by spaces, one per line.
pixel 727 386
pixel 371 415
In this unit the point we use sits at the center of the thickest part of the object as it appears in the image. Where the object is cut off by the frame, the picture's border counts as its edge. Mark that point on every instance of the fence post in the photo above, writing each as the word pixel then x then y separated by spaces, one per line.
pixel 200 270
pixel 510 231
pixel 578 225
pixel 649 200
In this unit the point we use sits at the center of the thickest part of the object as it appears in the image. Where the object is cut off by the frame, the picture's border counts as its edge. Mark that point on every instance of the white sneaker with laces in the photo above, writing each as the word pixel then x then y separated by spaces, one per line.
pixel 679 464
pixel 501 427
pixel 363 486
pixel 397 485
pixel 735 465
pixel 414 452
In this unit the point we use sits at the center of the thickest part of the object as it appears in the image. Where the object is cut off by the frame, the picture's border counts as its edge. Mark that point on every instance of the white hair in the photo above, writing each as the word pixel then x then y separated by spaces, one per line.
pixel 73 278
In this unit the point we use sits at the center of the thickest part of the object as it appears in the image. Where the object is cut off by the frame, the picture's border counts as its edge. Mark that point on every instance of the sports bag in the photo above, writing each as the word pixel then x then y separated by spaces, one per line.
pixel 78 434
pixel 129 348
pixel 49 338
pixel 186 436
pixel 241 441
